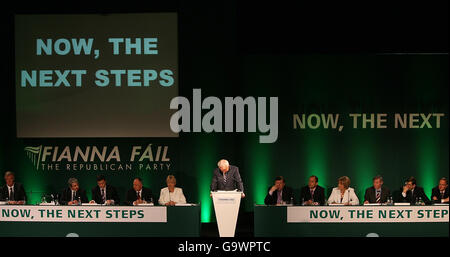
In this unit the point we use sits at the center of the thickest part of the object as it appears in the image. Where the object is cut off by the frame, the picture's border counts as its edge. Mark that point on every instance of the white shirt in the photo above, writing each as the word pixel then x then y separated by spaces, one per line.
pixel 349 196
pixel 104 191
pixel 176 196
pixel 10 188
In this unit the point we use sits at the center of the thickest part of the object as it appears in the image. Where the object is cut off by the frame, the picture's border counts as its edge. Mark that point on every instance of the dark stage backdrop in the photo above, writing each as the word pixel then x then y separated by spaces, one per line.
pixel 210 59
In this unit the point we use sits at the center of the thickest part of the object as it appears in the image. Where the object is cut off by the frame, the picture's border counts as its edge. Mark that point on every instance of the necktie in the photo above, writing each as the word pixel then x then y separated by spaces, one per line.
pixel 11 194
pixel 138 196
pixel 225 177
pixel 73 195
pixel 442 194
pixel 279 198
pixel 312 194
pixel 103 195
pixel 378 196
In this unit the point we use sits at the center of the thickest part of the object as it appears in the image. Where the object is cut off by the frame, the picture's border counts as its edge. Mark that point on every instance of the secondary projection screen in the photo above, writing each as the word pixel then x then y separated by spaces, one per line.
pixel 95 75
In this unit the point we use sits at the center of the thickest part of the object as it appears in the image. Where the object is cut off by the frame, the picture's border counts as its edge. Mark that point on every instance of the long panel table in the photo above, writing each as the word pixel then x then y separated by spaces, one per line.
pixel 100 221
pixel 351 221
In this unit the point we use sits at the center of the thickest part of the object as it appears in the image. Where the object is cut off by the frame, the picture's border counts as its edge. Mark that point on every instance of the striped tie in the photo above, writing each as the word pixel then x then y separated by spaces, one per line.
pixel 103 195
pixel 378 196
pixel 225 177
pixel 279 197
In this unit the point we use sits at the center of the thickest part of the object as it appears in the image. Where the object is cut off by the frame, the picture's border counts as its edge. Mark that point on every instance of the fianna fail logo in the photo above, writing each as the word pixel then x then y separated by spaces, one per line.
pixel 99 158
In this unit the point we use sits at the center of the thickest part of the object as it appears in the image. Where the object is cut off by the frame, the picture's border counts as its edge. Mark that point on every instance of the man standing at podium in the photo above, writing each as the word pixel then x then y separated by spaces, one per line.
pixel 226 177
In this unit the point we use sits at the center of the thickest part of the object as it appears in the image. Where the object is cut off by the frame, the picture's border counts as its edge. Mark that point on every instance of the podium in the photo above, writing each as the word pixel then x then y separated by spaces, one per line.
pixel 226 206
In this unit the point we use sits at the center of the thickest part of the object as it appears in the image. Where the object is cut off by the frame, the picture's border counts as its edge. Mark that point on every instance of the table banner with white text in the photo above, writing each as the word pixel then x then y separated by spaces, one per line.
pixel 31 213
pixel 364 214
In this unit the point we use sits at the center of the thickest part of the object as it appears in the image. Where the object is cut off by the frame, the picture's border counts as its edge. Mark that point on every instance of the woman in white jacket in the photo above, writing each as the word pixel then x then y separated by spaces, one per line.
pixel 171 195
pixel 343 194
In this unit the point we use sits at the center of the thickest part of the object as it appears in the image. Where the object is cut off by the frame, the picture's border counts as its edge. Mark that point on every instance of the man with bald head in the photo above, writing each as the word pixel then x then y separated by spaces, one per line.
pixel 226 177
pixel 139 194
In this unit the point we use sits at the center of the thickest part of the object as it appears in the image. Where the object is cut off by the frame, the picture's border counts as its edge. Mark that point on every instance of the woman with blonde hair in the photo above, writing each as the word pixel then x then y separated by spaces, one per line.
pixel 171 195
pixel 343 193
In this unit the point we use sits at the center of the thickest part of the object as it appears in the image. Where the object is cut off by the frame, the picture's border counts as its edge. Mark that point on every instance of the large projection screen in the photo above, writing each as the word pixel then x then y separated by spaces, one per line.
pixel 130 66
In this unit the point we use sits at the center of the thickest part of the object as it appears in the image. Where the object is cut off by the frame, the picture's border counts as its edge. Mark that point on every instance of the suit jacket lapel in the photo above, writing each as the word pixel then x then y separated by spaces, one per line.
pixel 383 193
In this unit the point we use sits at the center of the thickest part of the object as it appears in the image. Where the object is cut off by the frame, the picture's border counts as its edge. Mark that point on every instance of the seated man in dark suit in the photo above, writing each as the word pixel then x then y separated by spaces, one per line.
pixel 104 193
pixel 410 193
pixel 439 194
pixel 279 193
pixel 378 193
pixel 313 194
pixel 139 194
pixel 12 191
pixel 73 194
